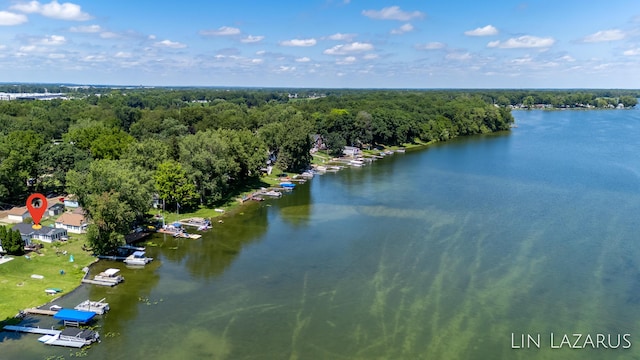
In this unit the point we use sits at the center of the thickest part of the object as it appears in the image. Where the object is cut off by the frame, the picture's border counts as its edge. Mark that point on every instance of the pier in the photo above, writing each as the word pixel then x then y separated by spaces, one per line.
pixel 36 311
pixel 98 282
pixel 32 330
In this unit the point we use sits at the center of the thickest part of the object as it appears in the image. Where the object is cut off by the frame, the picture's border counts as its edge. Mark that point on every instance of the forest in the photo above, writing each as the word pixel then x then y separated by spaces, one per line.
pixel 115 148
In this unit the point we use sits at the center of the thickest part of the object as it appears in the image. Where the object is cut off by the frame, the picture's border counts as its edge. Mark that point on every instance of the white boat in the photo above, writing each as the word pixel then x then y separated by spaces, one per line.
pixel 137 258
pixel 71 337
pixel 98 307
pixel 357 163
pixel 110 275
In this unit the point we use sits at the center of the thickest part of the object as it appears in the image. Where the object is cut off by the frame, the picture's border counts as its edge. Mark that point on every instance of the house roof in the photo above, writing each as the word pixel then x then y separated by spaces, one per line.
pixel 71 219
pixel 27 229
pixel 55 205
pixel 18 210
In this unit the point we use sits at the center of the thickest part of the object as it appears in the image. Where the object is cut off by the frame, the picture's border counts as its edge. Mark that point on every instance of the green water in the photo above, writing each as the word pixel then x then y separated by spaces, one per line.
pixel 441 253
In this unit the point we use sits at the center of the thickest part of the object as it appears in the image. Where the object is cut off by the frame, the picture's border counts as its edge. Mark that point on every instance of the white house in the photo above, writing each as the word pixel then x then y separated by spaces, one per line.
pixel 351 151
pixel 73 223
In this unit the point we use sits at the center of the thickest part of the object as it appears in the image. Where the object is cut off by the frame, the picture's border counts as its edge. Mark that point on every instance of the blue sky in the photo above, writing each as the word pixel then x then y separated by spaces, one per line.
pixel 323 43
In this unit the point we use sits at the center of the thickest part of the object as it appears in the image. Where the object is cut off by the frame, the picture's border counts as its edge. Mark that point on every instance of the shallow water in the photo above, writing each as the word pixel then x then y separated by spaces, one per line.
pixel 441 253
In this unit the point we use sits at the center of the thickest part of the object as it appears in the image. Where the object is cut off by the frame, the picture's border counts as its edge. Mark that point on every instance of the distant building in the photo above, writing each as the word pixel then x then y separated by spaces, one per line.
pixel 351 151
pixel 18 214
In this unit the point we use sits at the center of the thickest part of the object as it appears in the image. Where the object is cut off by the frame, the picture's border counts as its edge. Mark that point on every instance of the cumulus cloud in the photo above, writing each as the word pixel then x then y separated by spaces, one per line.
pixel 435 45
pixel 482 31
pixel 53 40
pixel 170 44
pixel 342 37
pixel 252 39
pixel 123 55
pixel 347 60
pixel 345 49
pixel 402 29
pixel 370 56
pixel 393 13
pixel 10 19
pixel 54 10
pixel 221 31
pixel 298 42
pixel 526 41
pixel 632 52
pixel 303 59
pixel 605 35
pixel 86 29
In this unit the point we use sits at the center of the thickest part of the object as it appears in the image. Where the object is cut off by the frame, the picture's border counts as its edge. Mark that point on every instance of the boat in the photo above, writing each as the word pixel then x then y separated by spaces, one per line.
pixel 287 184
pixel 52 291
pixel 357 163
pixel 71 337
pixel 137 258
pixel 99 307
pixel 110 275
pixel 55 307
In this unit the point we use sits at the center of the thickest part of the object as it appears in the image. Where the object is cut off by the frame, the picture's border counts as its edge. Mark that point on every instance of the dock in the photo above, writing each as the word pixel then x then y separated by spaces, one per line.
pixel 32 330
pixel 98 282
pixel 36 311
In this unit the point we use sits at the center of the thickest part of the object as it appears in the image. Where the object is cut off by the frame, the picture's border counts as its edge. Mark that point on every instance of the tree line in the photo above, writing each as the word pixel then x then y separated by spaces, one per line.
pixel 114 149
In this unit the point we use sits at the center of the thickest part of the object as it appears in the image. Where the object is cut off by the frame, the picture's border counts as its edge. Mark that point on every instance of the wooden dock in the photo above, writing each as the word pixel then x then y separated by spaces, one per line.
pixel 98 282
pixel 36 311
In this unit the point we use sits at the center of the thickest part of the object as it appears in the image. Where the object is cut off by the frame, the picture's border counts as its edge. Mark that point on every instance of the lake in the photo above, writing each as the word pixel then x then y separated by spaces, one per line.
pixel 479 248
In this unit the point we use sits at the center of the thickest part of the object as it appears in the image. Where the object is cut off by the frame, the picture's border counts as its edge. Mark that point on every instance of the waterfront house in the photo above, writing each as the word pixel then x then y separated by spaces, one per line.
pixel 351 151
pixel 18 214
pixel 73 223
pixel 44 234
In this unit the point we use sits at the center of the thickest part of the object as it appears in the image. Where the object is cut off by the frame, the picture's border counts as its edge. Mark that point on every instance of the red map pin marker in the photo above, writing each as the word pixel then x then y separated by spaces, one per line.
pixel 37 205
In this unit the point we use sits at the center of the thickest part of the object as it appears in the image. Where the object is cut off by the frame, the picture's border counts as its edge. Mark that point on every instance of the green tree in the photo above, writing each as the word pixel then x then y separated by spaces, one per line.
pixel 115 195
pixel 173 185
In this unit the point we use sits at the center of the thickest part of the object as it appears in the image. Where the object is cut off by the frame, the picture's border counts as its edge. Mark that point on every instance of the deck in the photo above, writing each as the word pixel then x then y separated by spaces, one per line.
pixel 32 330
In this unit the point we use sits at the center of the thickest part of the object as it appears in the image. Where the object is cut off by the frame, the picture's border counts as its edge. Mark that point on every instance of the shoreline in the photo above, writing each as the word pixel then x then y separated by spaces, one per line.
pixel 231 208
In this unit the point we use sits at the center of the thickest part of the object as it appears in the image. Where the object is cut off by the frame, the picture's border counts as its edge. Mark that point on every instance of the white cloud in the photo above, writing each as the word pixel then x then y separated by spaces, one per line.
pixel 342 37
pixel 109 35
pixel 402 29
pixel 56 56
pixel 482 31
pixel 257 61
pixel 348 48
pixel 86 29
pixel 632 52
pixel 347 60
pixel 152 37
pixel 123 55
pixel 526 41
pixel 458 56
pixel 222 31
pixel 605 35
pixel 10 19
pixel 170 44
pixel 567 58
pixel 260 52
pixel 431 46
pixel 286 69
pixel 54 10
pixel 303 59
pixel 252 39
pixel 298 42
pixel 370 56
pixel 53 40
pixel 393 13
pixel 29 48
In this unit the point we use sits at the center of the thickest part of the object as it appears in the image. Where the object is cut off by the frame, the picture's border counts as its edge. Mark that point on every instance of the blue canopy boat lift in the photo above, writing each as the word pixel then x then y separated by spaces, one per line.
pixel 74 317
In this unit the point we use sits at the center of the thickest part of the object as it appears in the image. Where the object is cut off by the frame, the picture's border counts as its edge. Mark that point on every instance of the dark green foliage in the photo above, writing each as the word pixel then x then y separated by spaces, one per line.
pixel 11 241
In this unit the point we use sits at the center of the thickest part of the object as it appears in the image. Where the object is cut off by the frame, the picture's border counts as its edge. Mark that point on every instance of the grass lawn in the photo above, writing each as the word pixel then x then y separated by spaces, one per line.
pixel 19 291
